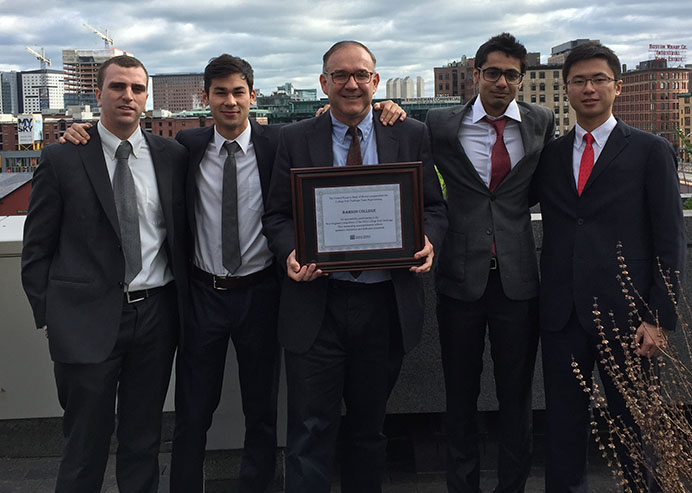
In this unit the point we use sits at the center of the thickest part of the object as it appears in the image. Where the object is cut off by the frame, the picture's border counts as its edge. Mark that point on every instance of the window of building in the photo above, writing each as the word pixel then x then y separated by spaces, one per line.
pixel 541 74
pixel 520 97
pixel 556 97
pixel 565 121
pixel 541 86
pixel 533 98
pixel 533 87
pixel 557 110
pixel 556 74
pixel 541 98
pixel 556 86
pixel 533 75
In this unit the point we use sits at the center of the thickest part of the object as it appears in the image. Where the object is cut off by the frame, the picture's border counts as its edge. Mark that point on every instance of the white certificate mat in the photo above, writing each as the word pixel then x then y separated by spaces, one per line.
pixel 365 217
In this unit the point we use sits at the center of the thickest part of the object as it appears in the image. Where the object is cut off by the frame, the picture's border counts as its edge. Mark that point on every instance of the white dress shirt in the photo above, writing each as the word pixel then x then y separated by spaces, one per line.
pixel 477 137
pixel 152 227
pixel 255 254
pixel 600 137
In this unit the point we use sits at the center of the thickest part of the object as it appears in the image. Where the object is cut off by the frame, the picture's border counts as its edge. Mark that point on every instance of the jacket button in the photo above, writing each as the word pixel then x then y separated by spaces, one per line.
pixel 488 231
pixel 120 247
pixel 580 221
pixel 121 284
pixel 492 197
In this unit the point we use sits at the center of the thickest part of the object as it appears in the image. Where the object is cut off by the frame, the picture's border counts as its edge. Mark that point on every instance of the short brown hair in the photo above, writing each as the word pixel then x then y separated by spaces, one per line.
pixel 336 47
pixel 120 61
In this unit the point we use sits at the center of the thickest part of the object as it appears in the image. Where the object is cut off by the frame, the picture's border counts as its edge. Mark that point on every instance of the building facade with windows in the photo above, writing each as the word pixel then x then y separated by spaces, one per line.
pixel 177 92
pixel 455 79
pixel 81 68
pixel 650 98
pixel 543 85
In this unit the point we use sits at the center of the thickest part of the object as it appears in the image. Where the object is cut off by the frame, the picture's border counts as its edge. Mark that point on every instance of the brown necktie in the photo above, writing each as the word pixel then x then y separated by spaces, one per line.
pixel 499 158
pixel 586 163
pixel 354 157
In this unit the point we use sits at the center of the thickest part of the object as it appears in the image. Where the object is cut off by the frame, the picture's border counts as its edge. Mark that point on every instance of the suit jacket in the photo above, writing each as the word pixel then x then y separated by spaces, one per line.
pixel 632 197
pixel 72 263
pixel 308 143
pixel 264 139
pixel 476 214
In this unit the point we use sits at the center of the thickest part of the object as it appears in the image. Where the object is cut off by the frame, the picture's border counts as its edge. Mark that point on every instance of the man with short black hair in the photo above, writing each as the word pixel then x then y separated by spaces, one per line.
pixel 344 336
pixel 234 299
pixel 103 241
pixel 603 184
pixel 487 151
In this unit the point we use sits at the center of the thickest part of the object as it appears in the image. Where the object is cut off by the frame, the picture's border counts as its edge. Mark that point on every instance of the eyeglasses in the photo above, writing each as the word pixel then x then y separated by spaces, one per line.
pixel 492 74
pixel 600 80
pixel 341 76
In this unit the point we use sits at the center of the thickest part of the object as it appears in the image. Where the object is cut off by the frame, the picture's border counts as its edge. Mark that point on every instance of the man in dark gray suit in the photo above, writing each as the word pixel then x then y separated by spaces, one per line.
pixel 343 334
pixel 99 277
pixel 487 273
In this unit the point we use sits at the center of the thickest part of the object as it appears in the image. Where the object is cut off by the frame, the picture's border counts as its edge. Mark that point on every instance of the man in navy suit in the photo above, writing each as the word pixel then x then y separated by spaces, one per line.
pixel 342 335
pixel 106 294
pixel 603 184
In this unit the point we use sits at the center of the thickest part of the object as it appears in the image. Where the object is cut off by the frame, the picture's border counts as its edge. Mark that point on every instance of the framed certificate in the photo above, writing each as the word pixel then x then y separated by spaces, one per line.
pixel 358 217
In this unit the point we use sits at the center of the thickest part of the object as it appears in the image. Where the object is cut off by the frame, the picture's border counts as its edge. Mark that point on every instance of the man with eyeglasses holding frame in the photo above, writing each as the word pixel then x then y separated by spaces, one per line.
pixel 487 151
pixel 344 335
pixel 602 184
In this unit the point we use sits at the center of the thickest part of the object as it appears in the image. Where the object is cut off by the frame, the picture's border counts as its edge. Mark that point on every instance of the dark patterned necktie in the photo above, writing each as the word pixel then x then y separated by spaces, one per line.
pixel 230 242
pixel 354 157
pixel 128 218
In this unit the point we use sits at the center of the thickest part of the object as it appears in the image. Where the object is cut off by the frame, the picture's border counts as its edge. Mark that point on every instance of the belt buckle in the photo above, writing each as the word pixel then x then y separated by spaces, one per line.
pixel 493 263
pixel 218 288
pixel 135 300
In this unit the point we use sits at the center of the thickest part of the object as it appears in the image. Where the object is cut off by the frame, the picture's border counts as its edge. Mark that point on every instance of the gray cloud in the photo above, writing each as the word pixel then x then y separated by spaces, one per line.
pixel 284 41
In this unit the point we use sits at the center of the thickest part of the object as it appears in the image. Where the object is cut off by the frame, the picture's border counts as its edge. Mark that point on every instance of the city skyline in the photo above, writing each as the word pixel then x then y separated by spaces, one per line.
pixel 285 42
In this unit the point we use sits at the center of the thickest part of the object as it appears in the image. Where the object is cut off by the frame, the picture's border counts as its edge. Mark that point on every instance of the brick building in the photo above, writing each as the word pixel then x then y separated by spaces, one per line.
pixel 650 98
pixel 177 92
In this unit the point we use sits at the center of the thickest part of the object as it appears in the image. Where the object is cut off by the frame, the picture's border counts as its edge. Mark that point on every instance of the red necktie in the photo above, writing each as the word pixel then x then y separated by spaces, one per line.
pixel 499 158
pixel 354 157
pixel 586 164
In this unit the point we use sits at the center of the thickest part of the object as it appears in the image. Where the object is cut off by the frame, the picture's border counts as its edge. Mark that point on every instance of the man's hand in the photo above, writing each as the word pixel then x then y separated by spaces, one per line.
pixel 427 253
pixel 76 134
pixel 322 110
pixel 301 273
pixel 650 340
pixel 391 112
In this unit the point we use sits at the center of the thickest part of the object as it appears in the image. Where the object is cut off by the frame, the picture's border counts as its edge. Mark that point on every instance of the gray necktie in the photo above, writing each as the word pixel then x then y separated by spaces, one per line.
pixel 230 243
pixel 128 217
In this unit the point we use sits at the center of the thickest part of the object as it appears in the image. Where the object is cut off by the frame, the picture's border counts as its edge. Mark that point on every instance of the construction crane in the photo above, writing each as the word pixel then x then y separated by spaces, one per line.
pixel 107 41
pixel 41 57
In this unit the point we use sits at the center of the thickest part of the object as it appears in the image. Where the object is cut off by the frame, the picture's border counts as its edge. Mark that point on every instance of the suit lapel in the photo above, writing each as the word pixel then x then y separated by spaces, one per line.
pixel 265 158
pixel 196 150
pixel 456 117
pixel 565 155
pixel 617 141
pixel 97 171
pixel 164 182
pixel 387 142
pixel 319 142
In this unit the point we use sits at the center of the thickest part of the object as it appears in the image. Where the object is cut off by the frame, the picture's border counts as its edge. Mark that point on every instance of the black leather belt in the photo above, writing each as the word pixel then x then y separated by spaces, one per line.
pixel 493 263
pixel 142 294
pixel 223 283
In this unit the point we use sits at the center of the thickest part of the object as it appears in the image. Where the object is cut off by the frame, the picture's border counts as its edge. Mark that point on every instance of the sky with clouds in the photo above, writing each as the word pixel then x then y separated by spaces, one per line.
pixel 284 40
